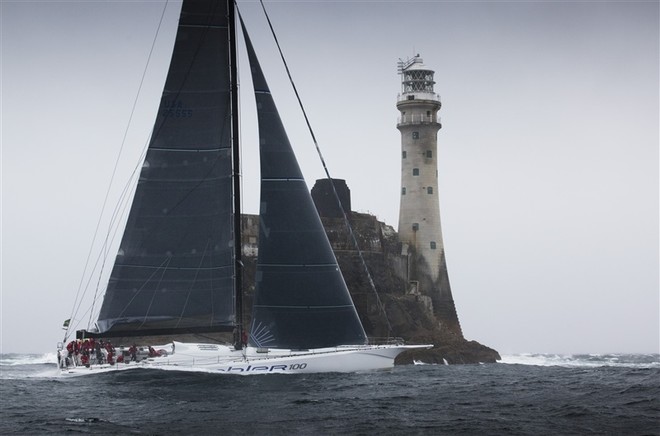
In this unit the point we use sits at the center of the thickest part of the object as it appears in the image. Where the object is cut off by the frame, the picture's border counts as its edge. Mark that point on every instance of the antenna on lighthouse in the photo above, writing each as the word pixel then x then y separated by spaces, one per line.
pixel 404 65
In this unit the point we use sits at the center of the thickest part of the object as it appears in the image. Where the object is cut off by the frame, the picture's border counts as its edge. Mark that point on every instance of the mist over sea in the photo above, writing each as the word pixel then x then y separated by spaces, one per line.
pixel 526 394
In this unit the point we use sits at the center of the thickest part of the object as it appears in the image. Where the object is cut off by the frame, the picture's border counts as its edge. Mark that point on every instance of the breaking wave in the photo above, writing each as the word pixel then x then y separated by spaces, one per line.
pixel 584 360
pixel 14 359
pixel 23 366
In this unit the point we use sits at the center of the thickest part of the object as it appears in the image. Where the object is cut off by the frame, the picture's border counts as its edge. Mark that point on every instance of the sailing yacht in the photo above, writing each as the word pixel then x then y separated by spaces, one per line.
pixel 177 275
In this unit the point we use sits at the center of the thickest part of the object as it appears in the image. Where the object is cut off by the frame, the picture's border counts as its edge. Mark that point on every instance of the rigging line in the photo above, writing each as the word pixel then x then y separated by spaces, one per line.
pixel 90 310
pixel 120 211
pixel 122 205
pixel 77 323
pixel 153 296
pixel 190 289
pixel 116 214
pixel 327 173
pixel 164 266
pixel 114 171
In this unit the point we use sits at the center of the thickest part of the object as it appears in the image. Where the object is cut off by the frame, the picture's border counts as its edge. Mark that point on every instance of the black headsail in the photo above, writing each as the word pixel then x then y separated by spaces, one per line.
pixel 301 300
pixel 175 270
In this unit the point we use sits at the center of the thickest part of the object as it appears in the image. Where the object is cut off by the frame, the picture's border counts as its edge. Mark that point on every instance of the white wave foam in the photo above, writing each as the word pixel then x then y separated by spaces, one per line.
pixel 584 360
pixel 27 359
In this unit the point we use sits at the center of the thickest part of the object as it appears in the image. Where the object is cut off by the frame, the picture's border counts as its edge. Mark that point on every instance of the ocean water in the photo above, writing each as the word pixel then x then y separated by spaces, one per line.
pixel 525 394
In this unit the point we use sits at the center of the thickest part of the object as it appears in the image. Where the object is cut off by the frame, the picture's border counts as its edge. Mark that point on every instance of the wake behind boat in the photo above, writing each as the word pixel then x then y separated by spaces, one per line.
pixel 177 277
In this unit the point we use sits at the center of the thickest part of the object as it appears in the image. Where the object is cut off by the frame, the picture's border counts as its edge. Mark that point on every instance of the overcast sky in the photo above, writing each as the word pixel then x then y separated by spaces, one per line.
pixel 548 154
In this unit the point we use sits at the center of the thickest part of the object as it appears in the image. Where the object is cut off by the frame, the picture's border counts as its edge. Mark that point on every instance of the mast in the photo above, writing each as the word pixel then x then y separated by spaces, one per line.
pixel 236 175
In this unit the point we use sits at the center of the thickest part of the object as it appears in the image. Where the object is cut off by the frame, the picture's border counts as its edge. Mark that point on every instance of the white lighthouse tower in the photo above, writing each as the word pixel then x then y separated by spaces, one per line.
pixel 419 214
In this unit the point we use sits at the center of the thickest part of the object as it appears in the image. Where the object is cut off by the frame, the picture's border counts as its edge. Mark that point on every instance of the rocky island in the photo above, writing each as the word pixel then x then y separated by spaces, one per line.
pixel 413 310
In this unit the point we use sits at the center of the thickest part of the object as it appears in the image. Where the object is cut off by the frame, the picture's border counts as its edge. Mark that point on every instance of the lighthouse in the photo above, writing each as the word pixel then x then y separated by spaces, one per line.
pixel 419 212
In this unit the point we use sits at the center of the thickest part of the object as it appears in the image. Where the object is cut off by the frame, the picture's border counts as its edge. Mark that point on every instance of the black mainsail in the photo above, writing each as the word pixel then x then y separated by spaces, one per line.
pixel 175 270
pixel 177 267
pixel 301 300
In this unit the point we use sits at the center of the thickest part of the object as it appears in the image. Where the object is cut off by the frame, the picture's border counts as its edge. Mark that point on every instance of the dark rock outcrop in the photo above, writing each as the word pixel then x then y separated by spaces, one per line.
pixel 461 352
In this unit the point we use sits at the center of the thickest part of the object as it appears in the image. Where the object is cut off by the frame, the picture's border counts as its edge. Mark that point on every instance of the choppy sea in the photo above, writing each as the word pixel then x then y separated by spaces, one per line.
pixel 524 394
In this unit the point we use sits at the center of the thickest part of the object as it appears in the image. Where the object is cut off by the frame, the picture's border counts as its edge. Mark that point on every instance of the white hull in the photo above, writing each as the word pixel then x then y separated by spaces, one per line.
pixel 221 359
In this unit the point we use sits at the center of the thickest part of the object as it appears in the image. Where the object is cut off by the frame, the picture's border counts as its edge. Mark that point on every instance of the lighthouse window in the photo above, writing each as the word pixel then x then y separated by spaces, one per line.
pixel 415 171
pixel 403 191
pixel 432 245
pixel 403 154
pixel 429 154
pixel 415 135
pixel 429 190
pixel 415 226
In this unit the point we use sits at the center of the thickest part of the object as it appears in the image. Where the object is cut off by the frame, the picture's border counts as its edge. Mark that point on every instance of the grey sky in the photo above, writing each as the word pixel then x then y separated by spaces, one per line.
pixel 548 155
